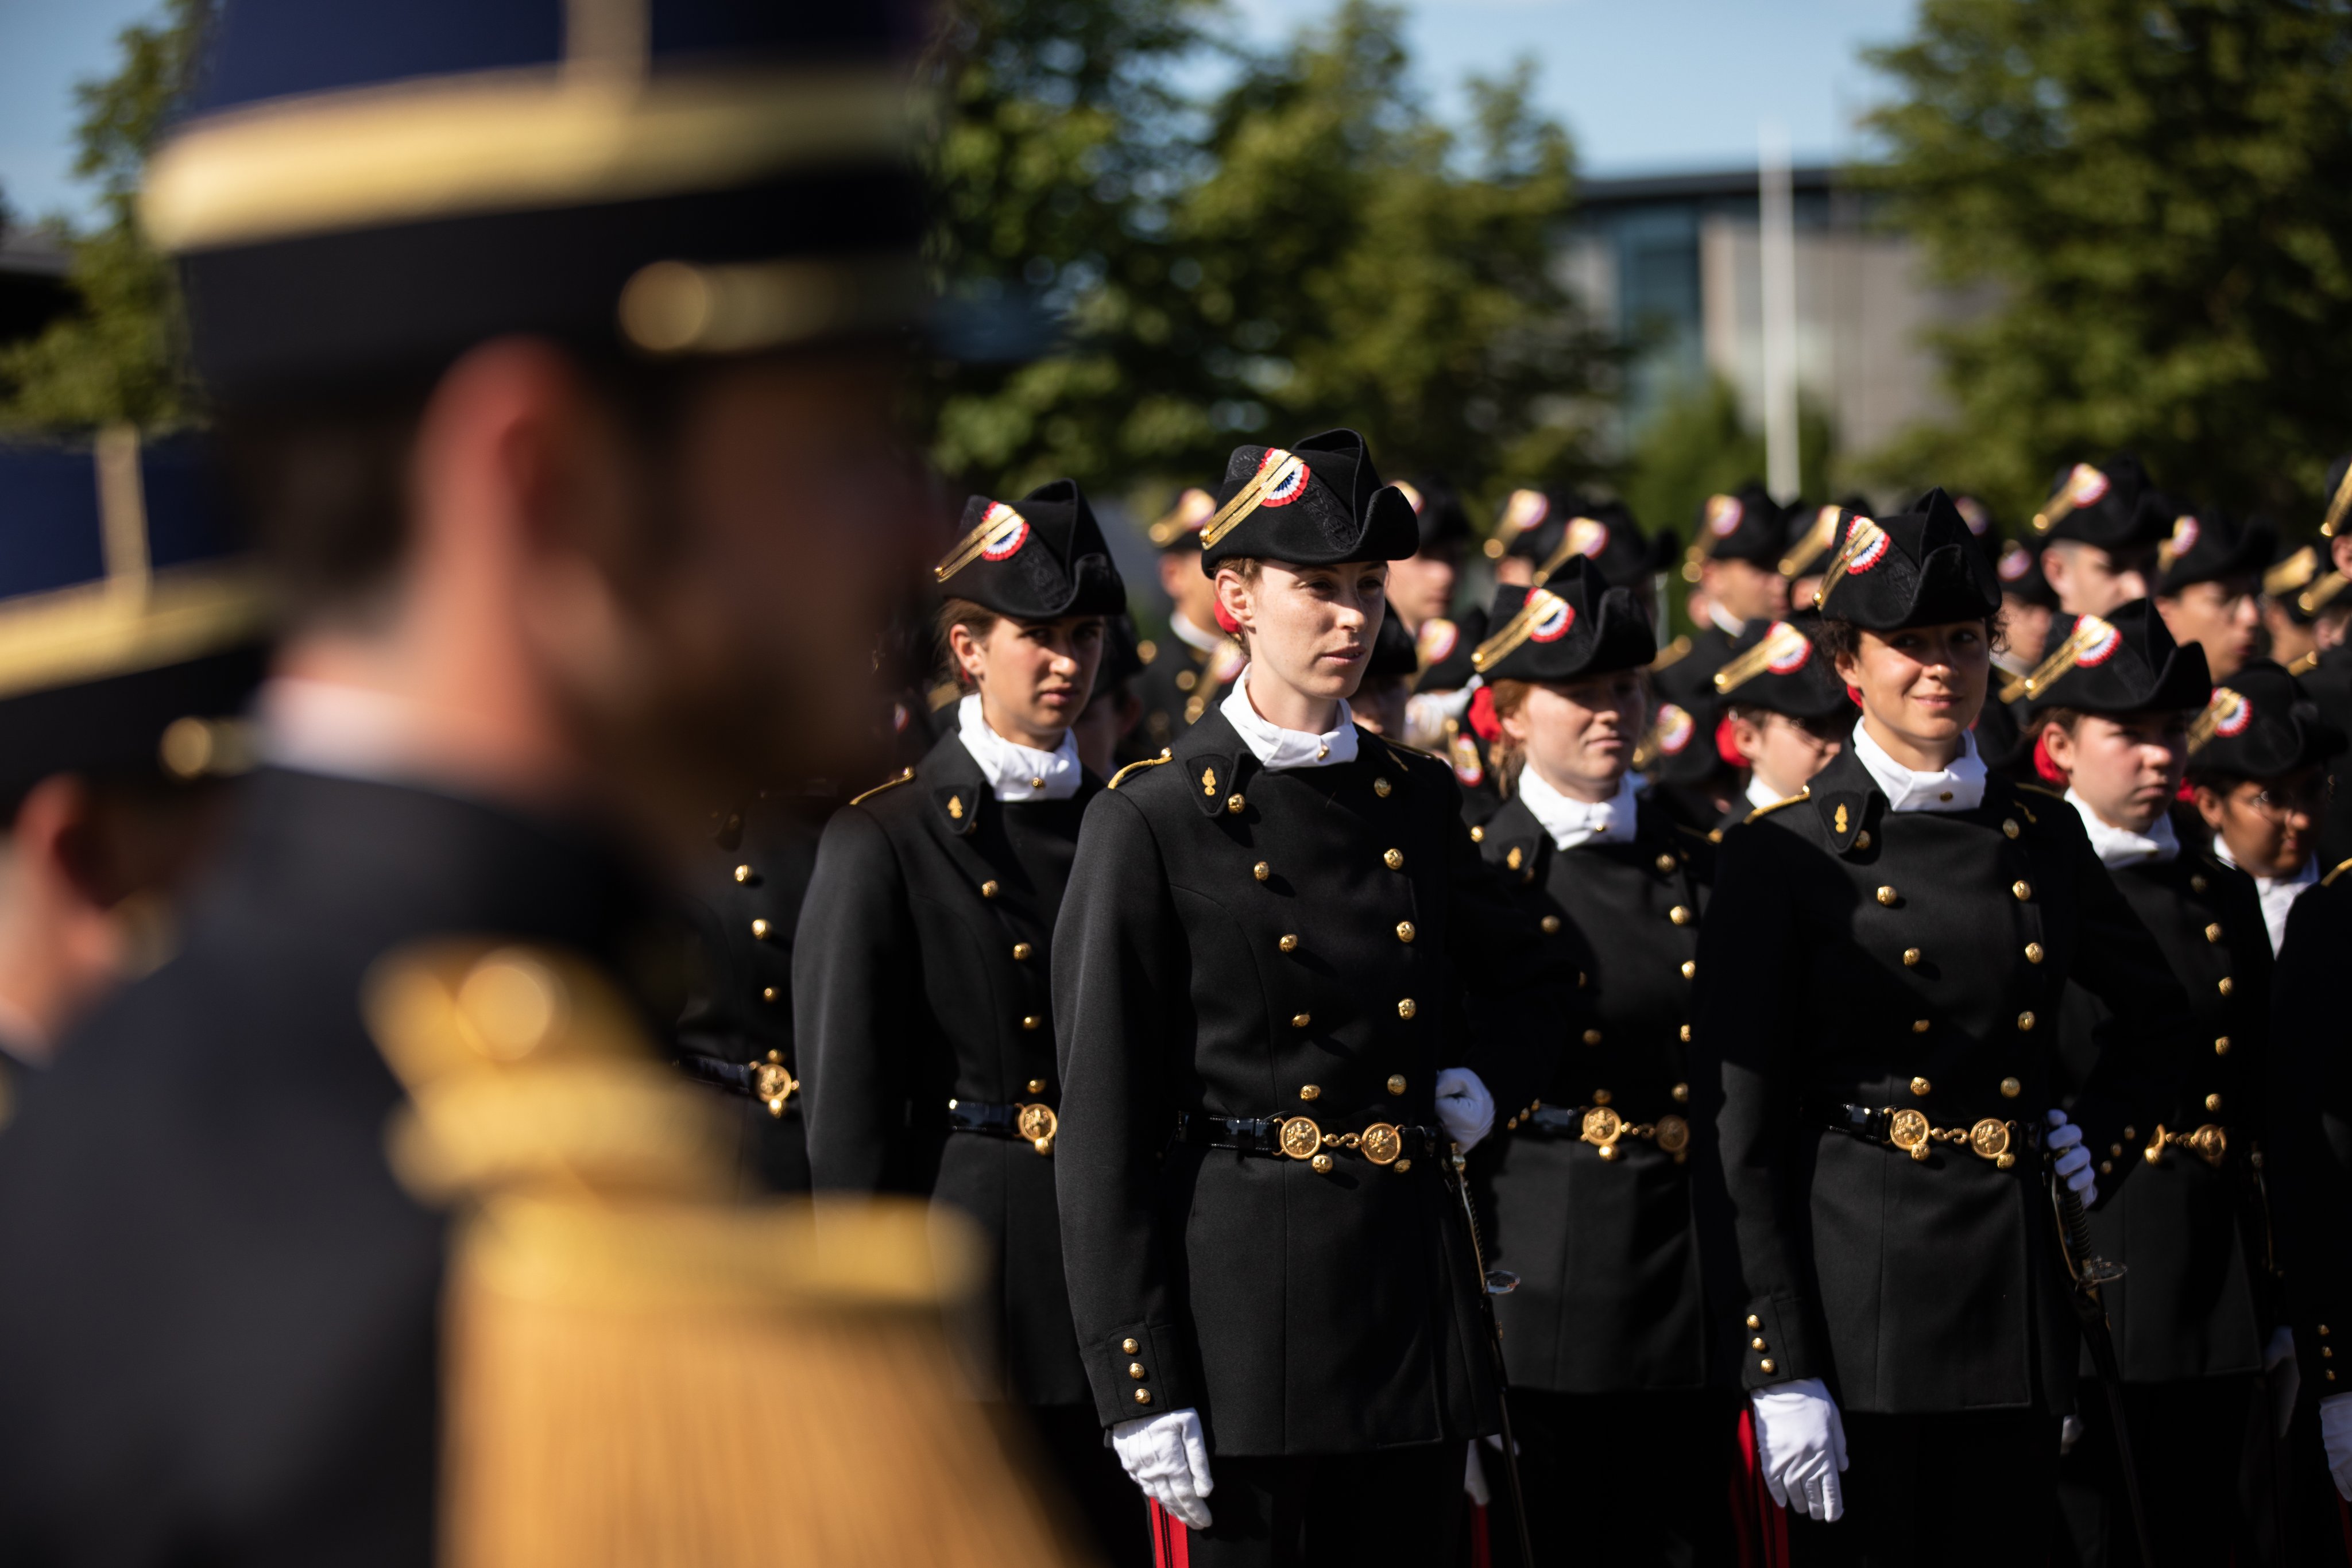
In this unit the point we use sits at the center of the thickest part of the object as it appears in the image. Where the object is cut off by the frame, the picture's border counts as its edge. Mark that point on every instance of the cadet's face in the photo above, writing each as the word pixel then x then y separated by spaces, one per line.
pixel 1783 753
pixel 1745 592
pixel 2223 618
pixel 2027 627
pixel 1423 586
pixel 2270 826
pixel 2090 581
pixel 1311 627
pixel 1034 676
pixel 1578 735
pixel 1922 685
pixel 2128 769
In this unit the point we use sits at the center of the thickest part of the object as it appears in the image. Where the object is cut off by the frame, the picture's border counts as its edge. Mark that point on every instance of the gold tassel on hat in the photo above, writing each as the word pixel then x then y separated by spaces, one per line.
pixel 637 1372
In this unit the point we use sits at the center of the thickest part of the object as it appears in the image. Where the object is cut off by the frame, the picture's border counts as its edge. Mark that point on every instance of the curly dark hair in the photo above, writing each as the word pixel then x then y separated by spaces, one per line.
pixel 1843 638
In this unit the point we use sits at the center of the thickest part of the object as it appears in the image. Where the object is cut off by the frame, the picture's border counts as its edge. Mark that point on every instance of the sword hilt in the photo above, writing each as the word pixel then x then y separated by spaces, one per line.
pixel 2090 1270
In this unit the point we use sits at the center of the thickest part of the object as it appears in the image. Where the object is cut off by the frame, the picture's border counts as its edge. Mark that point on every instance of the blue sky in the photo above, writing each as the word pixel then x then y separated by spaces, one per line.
pixel 1644 85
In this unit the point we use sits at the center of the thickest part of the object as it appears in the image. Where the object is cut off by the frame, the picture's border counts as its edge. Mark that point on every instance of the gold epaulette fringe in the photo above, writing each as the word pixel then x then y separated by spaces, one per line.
pixel 905 774
pixel 1120 777
pixel 1804 794
pixel 2330 878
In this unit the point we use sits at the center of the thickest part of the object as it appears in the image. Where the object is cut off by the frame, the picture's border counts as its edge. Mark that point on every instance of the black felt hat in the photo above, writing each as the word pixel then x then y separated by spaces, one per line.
pixel 1394 655
pixel 1557 524
pixel 1436 511
pixel 1318 503
pixel 132 620
pixel 2018 568
pixel 1445 648
pixel 1122 656
pixel 2303 582
pixel 362 192
pixel 1039 559
pixel 1745 523
pixel 1919 568
pixel 2209 545
pixel 2260 725
pixel 2123 662
pixel 2112 505
pixel 1814 533
pixel 1572 626
pixel 1775 665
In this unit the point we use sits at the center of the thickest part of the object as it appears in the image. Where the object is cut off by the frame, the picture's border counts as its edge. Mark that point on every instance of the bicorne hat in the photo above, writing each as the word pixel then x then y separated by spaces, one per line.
pixel 1037 559
pixel 1318 503
pixel 1919 568
pixel 2123 662
pixel 1572 626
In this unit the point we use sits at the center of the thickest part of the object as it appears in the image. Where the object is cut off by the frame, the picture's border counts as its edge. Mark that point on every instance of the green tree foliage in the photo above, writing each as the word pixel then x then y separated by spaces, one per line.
pixel 2161 194
pixel 121 355
pixel 1310 248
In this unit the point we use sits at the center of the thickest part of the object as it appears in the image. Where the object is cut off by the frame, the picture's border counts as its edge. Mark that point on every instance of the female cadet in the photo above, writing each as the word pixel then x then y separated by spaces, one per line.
pixel 2112 703
pixel 920 988
pixel 1784 714
pixel 1605 1337
pixel 1265 946
pixel 1878 978
pixel 2258 757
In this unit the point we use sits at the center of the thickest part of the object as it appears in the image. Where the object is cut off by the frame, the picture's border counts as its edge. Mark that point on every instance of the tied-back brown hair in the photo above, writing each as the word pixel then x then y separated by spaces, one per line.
pixel 1509 697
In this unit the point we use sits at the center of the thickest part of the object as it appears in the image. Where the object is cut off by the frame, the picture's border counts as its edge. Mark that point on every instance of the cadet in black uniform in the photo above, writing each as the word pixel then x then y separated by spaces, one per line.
pixel 2258 759
pixel 2027 608
pixel 922 981
pixel 1184 678
pixel 1735 560
pixel 1266 952
pixel 2208 584
pixel 581 502
pixel 2099 532
pixel 1605 1338
pixel 2113 703
pixel 1785 715
pixel 1421 586
pixel 1879 984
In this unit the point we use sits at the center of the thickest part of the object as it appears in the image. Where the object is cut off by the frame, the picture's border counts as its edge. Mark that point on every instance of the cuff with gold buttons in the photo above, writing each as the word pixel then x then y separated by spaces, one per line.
pixel 1775 1341
pixel 1140 1369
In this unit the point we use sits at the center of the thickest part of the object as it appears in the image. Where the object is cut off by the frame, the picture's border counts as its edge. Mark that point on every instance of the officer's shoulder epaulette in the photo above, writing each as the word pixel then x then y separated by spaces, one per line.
pixel 1401 749
pixel 1671 654
pixel 904 775
pixel 2329 880
pixel 2037 789
pixel 1762 811
pixel 1166 754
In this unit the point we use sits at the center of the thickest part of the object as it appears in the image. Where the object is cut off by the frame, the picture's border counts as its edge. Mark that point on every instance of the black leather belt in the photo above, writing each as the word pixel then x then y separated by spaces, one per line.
pixel 1604 1126
pixel 768 1081
pixel 1033 1122
pixel 1989 1138
pixel 1300 1138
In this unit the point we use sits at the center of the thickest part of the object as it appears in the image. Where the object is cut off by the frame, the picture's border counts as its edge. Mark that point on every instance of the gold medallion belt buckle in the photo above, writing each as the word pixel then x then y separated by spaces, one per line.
pixel 1039 1124
pixel 772 1082
pixel 2209 1143
pixel 1382 1142
pixel 1603 1127
pixel 1988 1139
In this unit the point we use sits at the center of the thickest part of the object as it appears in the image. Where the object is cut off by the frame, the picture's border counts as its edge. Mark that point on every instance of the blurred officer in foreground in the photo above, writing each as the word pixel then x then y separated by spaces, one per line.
pixel 1606 1339
pixel 544 340
pixel 2258 759
pixel 2099 531
pixel 131 639
pixel 1259 1011
pixel 1879 980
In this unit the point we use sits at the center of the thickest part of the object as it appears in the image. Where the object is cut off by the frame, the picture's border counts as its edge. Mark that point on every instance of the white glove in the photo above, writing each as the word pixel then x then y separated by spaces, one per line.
pixel 2335 1436
pixel 1800 1447
pixel 2074 1162
pixel 1473 1478
pixel 1167 1457
pixel 2070 1432
pixel 1465 1106
pixel 2286 1375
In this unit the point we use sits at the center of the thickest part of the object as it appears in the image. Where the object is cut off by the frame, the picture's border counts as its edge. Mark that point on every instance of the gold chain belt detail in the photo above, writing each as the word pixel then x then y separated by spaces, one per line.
pixel 2209 1143
pixel 1988 1139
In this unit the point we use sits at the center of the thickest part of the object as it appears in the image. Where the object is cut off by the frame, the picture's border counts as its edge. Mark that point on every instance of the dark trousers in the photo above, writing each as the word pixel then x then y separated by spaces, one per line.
pixel 1338 1510
pixel 1650 1472
pixel 1929 1491
pixel 2189 1444
pixel 1109 1507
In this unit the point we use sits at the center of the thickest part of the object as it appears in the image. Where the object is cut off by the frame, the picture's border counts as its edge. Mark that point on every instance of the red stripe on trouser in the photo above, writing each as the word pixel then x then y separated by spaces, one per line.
pixel 1761 1524
pixel 1171 1543
pixel 1482 1542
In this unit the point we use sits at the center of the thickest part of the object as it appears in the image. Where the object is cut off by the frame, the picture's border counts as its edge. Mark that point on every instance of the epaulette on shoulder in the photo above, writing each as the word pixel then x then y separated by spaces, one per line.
pixel 2329 880
pixel 1804 794
pixel 1119 777
pixel 905 776
pixel 2038 788
pixel 1401 749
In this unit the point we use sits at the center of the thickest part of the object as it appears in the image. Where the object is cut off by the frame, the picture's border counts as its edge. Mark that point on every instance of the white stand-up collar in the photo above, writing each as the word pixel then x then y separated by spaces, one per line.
pixel 1960 788
pixel 1275 748
pixel 1573 823
pixel 1731 625
pixel 2278 893
pixel 1189 633
pixel 1017 772
pixel 2119 847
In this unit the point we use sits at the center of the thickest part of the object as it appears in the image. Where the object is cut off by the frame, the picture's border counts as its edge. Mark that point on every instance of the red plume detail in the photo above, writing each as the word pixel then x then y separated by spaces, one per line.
pixel 2051 772
pixel 1225 622
pixel 1483 717
pixel 1723 747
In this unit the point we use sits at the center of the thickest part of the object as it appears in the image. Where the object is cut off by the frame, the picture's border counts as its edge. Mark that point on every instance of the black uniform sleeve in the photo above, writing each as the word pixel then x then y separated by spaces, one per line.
pixel 855 979
pixel 1119 988
pixel 1743 1066
pixel 2309 1159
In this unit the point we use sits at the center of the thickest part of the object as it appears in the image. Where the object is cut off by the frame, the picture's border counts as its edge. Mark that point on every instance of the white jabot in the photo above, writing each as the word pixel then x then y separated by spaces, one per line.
pixel 1960 788
pixel 2121 846
pixel 1017 772
pixel 1732 626
pixel 1573 823
pixel 1760 794
pixel 1275 748
pixel 2278 893
pixel 342 731
pixel 1187 632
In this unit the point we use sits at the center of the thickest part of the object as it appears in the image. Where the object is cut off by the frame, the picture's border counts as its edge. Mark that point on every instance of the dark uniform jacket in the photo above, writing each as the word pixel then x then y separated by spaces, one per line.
pixel 1252 944
pixel 2309 1165
pixel 1178 684
pixel 742 910
pixel 1605 1247
pixel 230 1356
pixel 1915 962
pixel 2189 1231
pixel 922 977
